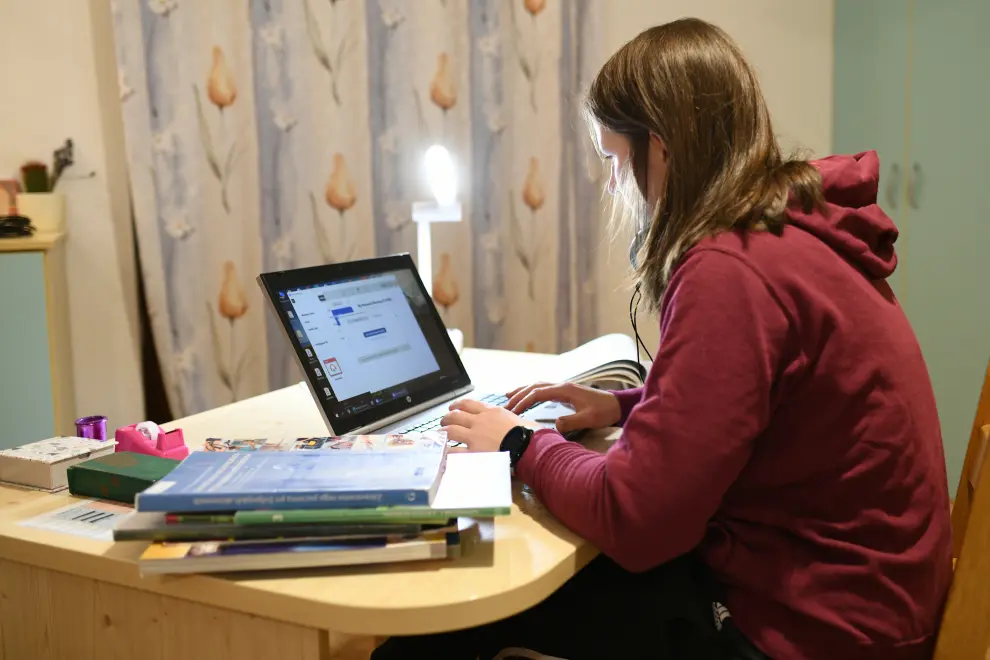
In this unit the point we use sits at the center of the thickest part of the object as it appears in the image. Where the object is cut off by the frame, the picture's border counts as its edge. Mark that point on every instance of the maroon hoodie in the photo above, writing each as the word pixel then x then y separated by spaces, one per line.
pixel 788 430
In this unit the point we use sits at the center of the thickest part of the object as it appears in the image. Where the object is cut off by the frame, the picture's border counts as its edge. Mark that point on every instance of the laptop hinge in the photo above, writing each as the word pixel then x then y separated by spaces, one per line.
pixel 411 412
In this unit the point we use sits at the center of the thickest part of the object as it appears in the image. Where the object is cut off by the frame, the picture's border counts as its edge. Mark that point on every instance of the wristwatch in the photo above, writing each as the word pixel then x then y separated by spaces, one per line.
pixel 515 442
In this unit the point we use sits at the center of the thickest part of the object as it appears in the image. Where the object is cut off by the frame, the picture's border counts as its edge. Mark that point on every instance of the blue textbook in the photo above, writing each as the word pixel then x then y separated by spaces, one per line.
pixel 250 481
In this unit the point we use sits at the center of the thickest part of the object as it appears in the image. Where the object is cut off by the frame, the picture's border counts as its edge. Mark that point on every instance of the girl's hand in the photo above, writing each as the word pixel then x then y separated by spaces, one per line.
pixel 480 426
pixel 593 409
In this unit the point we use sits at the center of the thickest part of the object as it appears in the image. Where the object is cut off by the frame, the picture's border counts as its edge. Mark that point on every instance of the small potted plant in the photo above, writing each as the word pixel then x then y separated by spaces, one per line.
pixel 39 201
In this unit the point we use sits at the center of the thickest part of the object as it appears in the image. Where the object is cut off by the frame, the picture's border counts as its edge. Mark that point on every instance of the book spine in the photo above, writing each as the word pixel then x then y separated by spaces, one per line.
pixel 192 503
pixel 103 485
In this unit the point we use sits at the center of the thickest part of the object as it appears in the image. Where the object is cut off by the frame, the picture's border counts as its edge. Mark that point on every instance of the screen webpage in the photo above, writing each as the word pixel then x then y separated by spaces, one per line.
pixel 365 335
pixel 368 341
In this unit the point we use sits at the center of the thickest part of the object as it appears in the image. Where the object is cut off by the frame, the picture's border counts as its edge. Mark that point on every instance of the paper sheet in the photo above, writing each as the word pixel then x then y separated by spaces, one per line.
pixel 89 519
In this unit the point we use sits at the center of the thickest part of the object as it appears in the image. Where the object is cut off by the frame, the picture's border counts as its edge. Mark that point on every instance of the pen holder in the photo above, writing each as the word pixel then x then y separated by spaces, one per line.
pixel 46 210
pixel 94 426
pixel 168 445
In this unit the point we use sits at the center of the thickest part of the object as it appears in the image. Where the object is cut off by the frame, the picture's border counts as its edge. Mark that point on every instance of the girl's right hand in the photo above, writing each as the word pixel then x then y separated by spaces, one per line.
pixel 593 409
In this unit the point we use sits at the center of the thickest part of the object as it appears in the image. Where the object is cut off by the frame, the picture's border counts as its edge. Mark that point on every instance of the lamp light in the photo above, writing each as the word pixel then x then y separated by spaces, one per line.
pixel 441 174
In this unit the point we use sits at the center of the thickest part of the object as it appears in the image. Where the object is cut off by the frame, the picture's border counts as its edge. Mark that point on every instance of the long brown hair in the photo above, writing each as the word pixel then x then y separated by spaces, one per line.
pixel 687 83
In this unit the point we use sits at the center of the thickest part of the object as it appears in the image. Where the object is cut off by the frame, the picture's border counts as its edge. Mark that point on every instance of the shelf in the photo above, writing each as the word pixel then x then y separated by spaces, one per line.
pixel 40 242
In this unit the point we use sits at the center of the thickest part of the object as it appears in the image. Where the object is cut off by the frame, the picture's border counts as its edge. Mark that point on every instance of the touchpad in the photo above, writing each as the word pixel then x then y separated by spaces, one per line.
pixel 548 412
pixel 546 415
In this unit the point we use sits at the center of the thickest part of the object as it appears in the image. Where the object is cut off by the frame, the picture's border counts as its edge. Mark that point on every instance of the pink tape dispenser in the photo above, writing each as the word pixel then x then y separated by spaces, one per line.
pixel 149 438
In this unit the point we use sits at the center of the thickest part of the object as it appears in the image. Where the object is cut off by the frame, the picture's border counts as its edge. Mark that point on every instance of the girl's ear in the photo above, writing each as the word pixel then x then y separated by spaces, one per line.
pixel 658 146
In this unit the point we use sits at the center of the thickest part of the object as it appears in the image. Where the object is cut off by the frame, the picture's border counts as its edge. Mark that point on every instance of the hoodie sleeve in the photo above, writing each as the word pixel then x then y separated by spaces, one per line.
pixel 707 396
pixel 627 401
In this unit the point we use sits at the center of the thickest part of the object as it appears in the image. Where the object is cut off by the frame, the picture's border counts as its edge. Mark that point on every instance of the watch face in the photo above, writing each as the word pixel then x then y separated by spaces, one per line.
pixel 511 439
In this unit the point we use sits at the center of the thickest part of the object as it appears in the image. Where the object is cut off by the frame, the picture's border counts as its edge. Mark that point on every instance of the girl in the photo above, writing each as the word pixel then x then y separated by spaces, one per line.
pixel 779 488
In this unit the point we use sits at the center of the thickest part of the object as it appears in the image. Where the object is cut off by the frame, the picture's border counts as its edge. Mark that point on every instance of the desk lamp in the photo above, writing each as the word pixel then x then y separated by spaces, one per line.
pixel 442 177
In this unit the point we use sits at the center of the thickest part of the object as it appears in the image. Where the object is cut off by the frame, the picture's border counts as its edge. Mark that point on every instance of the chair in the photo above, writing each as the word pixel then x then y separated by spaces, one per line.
pixel 965 630
pixel 523 654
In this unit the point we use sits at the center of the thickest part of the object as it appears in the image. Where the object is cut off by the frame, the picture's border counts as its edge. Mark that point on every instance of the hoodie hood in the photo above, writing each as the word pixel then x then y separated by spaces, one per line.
pixel 853 224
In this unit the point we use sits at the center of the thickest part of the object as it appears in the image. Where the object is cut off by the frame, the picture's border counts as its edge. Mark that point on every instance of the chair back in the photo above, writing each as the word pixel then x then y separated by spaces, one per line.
pixel 972 467
pixel 965 630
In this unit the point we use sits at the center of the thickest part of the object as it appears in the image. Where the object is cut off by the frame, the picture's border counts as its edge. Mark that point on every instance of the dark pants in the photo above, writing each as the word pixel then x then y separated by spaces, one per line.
pixel 604 612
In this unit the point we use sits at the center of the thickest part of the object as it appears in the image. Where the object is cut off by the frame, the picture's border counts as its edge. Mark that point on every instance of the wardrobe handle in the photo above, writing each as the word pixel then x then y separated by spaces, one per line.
pixel 894 186
pixel 915 181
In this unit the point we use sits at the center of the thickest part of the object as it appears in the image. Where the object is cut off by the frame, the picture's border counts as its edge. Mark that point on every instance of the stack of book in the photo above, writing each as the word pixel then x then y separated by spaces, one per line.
pixel 244 505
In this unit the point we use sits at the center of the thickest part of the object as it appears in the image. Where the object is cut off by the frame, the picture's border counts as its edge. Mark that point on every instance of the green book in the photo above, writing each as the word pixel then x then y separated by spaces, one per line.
pixel 118 476
pixel 417 515
pixel 199 518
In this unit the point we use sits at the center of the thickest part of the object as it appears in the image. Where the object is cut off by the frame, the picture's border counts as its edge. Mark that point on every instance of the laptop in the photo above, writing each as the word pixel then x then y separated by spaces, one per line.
pixel 371 342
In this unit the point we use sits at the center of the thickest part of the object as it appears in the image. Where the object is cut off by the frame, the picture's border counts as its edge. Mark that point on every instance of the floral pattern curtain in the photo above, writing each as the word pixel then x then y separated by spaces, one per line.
pixel 275 134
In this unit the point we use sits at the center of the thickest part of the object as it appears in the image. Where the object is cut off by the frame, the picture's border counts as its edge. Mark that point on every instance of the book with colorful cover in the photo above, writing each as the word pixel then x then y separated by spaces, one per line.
pixel 218 556
pixel 426 440
pixel 245 481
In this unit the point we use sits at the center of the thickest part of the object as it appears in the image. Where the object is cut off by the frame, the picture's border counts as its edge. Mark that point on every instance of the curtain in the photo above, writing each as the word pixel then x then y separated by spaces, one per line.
pixel 276 134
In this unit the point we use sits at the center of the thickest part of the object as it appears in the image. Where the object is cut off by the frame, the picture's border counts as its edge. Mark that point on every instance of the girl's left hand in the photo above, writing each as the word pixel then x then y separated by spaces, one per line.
pixel 480 426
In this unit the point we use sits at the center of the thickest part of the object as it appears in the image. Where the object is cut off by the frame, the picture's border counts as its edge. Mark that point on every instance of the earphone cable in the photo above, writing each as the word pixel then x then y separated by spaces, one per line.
pixel 634 301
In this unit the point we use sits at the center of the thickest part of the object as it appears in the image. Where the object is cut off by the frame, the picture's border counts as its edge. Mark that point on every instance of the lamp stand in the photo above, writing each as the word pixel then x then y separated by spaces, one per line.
pixel 424 214
pixel 424 255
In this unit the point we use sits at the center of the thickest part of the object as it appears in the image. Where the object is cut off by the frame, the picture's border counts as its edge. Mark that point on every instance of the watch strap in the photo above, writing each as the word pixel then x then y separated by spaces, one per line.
pixel 515 443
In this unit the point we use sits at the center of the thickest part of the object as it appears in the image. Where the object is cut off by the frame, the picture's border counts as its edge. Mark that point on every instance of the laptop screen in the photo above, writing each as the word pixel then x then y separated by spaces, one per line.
pixel 370 340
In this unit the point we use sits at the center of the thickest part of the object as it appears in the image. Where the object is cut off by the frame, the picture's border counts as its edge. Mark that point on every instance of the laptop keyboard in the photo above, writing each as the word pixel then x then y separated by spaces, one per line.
pixel 434 424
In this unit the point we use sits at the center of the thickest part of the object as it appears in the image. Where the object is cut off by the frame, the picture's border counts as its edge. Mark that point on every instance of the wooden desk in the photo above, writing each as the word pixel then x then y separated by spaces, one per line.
pixel 63 596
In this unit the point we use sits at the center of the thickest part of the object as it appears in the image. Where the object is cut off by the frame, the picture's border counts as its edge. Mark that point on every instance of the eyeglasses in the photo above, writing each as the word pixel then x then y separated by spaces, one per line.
pixel 15 225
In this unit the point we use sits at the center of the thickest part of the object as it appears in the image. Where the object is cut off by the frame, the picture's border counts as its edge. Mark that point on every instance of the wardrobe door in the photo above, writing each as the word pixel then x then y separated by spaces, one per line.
pixel 947 188
pixel 870 95
pixel 26 400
